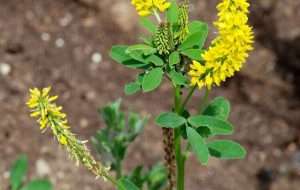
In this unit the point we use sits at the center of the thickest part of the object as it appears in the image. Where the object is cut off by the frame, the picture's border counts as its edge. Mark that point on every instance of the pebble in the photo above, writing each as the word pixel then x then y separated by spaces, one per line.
pixel 91 95
pixel 42 168
pixel 96 57
pixel 59 42
pixel 6 174
pixel 5 69
pixel 83 123
pixel 89 22
pixel 65 21
pixel 45 36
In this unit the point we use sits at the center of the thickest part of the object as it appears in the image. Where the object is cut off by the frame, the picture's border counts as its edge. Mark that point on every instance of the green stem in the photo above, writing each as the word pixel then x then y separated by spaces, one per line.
pixel 119 169
pixel 114 181
pixel 192 90
pixel 203 101
pixel 177 142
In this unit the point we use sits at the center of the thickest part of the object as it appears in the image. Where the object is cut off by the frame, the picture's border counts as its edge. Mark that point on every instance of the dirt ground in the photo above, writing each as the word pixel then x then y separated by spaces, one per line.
pixel 58 43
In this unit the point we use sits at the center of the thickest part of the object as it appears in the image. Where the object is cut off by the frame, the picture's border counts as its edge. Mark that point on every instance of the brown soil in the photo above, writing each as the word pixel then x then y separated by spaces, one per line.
pixel 264 95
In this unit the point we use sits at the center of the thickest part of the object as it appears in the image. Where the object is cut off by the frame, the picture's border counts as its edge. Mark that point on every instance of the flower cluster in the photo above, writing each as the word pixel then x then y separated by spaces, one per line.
pixel 147 7
pixel 228 51
pixel 50 116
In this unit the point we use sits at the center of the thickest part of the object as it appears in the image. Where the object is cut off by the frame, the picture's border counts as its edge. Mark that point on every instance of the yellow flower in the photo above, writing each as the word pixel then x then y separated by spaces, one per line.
pixel 63 140
pixel 162 5
pixel 229 50
pixel 147 7
pixel 50 116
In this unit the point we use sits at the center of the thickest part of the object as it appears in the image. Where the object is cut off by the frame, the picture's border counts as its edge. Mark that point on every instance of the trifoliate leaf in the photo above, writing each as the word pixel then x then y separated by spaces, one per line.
pixel 172 120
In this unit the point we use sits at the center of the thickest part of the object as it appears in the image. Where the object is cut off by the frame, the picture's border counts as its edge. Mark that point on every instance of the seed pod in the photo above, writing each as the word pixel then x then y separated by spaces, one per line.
pixel 183 21
pixel 163 39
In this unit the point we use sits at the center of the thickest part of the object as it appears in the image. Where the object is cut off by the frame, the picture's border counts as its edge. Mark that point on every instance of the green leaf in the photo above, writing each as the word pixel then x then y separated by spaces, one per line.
pixel 139 56
pixel 146 49
pixel 205 132
pixel 216 126
pixel 179 79
pixel 132 88
pixel 174 58
pixel 119 55
pixel 147 40
pixel 140 78
pixel 172 120
pixel 38 185
pixel 195 54
pixel 173 13
pixel 226 149
pixel 18 172
pixel 198 144
pixel 197 26
pixel 156 60
pixel 152 79
pixel 156 177
pixel 148 24
pixel 127 184
pixel 218 108
pixel 192 40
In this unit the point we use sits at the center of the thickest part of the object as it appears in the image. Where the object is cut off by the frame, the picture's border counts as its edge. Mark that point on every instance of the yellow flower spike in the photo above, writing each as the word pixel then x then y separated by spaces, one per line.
pixel 230 50
pixel 147 7
pixel 51 117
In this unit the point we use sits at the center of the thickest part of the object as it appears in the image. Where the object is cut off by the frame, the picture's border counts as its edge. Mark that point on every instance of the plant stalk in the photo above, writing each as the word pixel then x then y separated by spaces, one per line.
pixel 114 181
pixel 203 102
pixel 177 142
pixel 192 90
pixel 119 169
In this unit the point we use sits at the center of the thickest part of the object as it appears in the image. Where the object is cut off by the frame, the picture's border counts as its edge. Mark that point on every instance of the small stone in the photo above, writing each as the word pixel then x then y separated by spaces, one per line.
pixel 66 20
pixel 6 174
pixel 45 36
pixel 89 22
pixel 91 95
pixel 42 168
pixel 59 42
pixel 5 69
pixel 83 123
pixel 96 57
pixel 292 147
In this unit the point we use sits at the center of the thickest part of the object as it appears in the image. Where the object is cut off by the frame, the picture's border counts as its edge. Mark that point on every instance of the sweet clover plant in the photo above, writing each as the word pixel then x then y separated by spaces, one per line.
pixel 175 49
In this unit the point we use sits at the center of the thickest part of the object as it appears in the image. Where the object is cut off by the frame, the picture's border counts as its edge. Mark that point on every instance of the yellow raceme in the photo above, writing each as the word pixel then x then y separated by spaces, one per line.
pixel 228 51
pixel 147 7
pixel 50 116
